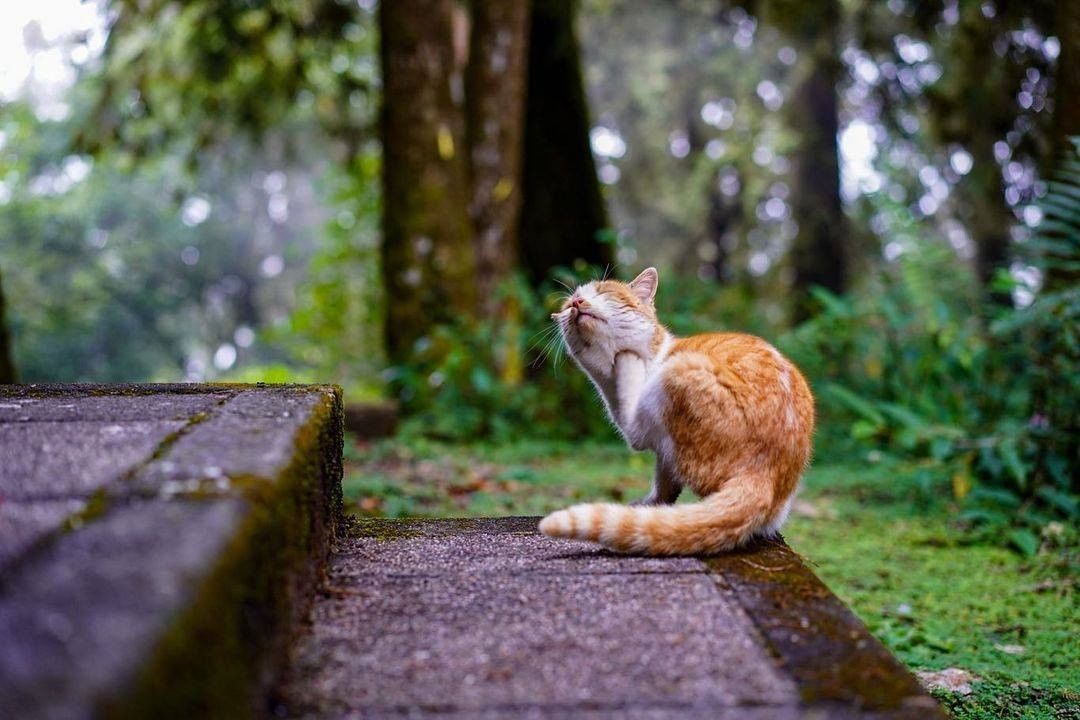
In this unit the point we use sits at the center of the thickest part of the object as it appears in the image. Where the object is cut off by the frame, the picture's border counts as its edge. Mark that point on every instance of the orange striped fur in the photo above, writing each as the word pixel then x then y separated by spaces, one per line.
pixel 726 414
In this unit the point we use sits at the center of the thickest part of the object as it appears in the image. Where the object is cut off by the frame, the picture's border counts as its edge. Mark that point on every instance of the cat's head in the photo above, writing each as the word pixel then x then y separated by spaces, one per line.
pixel 605 317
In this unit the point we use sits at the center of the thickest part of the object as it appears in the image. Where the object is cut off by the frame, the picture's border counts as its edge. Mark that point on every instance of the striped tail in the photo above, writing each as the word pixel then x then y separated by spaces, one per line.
pixel 719 522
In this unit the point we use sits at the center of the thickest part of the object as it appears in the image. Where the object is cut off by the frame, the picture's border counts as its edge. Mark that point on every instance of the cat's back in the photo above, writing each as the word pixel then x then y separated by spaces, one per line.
pixel 721 346
pixel 734 356
pixel 733 401
pixel 743 365
pixel 710 379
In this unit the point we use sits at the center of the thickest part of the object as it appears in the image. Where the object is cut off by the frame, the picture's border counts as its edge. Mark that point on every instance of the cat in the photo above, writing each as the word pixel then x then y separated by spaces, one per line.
pixel 727 415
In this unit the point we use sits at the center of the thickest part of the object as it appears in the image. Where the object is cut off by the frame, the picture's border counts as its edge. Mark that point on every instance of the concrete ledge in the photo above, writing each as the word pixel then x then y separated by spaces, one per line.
pixel 827 651
pixel 158 543
pixel 487 619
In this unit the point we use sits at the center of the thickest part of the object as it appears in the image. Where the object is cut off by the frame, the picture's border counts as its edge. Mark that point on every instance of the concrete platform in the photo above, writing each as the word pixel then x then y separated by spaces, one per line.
pixel 158 543
pixel 487 619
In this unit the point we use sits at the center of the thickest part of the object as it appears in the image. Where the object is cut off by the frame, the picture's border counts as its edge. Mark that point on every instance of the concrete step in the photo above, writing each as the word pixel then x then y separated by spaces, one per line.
pixel 488 619
pixel 158 543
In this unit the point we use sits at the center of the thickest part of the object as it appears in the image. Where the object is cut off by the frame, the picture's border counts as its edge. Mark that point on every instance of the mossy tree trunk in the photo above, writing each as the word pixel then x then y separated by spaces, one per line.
pixel 819 254
pixel 7 363
pixel 428 259
pixel 495 88
pixel 495 92
pixel 486 160
pixel 563 210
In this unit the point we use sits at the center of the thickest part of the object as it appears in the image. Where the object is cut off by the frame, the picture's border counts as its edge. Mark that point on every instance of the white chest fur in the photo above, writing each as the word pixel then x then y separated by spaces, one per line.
pixel 634 397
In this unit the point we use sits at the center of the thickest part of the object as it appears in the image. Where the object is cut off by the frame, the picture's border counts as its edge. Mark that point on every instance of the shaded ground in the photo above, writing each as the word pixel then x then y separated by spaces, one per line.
pixel 881 538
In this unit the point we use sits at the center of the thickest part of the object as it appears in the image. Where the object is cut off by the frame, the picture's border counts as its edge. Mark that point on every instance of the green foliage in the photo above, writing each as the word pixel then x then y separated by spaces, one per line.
pixel 169 110
pixel 688 305
pixel 912 369
pixel 195 73
pixel 1050 328
pixel 87 266
pixel 333 332
pixel 459 390
pixel 108 277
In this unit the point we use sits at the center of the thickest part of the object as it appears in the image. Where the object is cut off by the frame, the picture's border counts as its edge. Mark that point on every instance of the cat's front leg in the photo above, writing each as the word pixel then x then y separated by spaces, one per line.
pixel 630 379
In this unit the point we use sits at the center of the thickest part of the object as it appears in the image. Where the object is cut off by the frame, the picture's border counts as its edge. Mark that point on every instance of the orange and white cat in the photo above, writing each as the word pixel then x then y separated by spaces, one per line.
pixel 727 415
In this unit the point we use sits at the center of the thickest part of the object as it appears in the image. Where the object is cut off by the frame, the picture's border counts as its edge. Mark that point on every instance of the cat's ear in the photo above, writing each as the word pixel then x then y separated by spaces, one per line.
pixel 644 285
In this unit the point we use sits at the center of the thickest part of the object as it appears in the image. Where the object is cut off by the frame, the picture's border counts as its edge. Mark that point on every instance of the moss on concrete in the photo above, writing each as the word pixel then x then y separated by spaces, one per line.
pixel 96 506
pixel 395 529
pixel 827 650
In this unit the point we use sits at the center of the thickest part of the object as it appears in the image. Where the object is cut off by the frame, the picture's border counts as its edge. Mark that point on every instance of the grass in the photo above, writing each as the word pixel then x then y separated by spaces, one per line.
pixel 881 535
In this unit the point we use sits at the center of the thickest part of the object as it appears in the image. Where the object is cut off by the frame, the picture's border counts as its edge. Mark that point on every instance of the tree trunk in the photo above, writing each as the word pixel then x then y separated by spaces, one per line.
pixel 988 217
pixel 819 252
pixel 427 253
pixel 563 211
pixel 1066 82
pixel 495 88
pixel 7 364
pixel 975 110
pixel 725 215
pixel 495 92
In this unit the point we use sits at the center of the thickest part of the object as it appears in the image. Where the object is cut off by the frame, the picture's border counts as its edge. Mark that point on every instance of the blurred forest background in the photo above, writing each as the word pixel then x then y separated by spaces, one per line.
pixel 887 190
pixel 393 196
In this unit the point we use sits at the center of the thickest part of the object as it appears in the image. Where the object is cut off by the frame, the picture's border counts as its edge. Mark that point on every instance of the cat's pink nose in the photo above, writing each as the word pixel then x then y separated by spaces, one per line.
pixel 576 302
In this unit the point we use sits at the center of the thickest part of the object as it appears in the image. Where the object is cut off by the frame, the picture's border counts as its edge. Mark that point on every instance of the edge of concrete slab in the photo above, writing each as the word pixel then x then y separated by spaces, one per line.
pixel 222 653
pixel 830 654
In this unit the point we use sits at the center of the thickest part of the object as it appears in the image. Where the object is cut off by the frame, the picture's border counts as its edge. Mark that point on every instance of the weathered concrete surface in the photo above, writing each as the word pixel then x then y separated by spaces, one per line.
pixel 51 460
pixel 97 403
pixel 158 543
pixel 484 618
pixel 87 610
pixel 24 523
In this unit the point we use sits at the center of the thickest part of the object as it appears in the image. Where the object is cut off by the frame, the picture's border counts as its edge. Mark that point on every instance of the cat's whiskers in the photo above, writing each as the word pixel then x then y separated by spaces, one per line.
pixel 546 340
pixel 568 288
pixel 548 345
pixel 542 335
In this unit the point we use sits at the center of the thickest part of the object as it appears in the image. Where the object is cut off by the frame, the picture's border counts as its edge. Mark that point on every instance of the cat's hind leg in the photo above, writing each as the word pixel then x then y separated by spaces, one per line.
pixel 665 489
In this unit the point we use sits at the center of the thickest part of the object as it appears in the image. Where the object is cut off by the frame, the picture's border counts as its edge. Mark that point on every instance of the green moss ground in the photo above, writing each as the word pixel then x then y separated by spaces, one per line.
pixel 886 544
pixel 880 535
